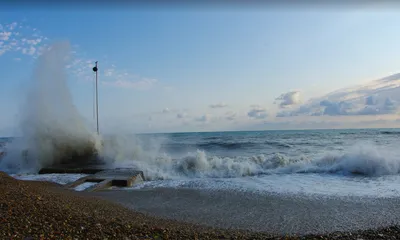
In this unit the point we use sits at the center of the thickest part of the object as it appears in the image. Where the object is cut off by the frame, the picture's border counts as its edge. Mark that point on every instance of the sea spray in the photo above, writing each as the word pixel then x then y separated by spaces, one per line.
pixel 52 129
pixel 368 161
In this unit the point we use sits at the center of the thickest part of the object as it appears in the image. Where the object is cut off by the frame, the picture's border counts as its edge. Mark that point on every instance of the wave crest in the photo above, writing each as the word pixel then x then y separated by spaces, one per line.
pixel 365 161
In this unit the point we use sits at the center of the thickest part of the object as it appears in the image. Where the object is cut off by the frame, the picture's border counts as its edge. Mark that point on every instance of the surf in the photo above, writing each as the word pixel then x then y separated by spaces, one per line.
pixel 52 129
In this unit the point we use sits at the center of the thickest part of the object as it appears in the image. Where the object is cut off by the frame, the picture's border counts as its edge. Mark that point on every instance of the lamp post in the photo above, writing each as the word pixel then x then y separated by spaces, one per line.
pixel 97 103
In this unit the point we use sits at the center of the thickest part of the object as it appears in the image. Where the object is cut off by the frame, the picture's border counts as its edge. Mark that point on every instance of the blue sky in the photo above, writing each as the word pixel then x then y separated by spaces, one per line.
pixel 207 69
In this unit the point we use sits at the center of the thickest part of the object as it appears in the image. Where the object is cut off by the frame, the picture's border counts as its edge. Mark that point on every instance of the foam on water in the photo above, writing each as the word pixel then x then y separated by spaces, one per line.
pixel 297 184
pixel 57 178
pixel 359 160
pixel 364 169
pixel 84 186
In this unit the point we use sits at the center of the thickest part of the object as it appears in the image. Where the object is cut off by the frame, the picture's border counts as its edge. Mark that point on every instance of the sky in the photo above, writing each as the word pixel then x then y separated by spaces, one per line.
pixel 173 69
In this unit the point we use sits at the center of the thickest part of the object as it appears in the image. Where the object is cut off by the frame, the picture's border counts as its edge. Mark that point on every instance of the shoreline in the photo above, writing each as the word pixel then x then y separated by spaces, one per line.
pixel 33 209
pixel 43 209
pixel 272 213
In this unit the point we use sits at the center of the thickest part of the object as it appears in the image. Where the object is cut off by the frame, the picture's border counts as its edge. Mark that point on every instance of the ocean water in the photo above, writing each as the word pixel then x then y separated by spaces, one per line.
pixel 362 162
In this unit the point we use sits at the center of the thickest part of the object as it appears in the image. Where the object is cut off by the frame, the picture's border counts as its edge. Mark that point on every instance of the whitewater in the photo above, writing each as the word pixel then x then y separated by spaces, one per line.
pixel 327 162
pixel 363 162
pixel 323 162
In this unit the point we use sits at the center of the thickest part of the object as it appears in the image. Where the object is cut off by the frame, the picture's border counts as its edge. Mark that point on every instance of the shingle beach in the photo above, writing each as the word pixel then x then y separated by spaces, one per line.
pixel 43 210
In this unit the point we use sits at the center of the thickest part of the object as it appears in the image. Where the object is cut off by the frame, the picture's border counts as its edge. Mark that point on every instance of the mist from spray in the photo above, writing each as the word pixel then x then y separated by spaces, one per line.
pixel 52 129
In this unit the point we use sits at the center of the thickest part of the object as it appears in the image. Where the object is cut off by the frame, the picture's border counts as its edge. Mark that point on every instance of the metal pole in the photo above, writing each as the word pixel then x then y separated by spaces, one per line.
pixel 97 103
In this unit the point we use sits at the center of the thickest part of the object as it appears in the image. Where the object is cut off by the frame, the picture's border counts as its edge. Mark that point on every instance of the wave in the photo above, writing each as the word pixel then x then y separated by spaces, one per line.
pixel 119 151
pixel 366 161
pixel 278 144
pixel 348 133
pixel 224 145
pixel 389 133
pixel 212 138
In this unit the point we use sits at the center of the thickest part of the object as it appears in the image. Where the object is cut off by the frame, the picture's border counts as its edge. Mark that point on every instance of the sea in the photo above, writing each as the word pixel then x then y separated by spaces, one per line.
pixel 347 162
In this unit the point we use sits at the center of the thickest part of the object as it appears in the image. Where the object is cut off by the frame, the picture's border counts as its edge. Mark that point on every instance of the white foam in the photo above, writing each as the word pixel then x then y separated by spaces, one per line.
pixel 57 178
pixel 84 186
pixel 306 184
pixel 365 160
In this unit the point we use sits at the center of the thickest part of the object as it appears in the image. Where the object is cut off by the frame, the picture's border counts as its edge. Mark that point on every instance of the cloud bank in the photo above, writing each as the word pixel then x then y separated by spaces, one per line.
pixel 289 99
pixel 257 112
pixel 379 97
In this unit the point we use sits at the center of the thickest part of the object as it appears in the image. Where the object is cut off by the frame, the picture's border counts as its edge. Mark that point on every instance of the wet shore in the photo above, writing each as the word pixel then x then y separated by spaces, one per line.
pixel 42 210
pixel 273 213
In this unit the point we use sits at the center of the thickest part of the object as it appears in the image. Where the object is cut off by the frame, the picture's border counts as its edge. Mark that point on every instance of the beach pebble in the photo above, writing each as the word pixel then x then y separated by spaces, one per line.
pixel 35 210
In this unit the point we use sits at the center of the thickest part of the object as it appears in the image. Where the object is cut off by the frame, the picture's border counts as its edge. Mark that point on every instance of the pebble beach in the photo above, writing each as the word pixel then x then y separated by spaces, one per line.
pixel 44 210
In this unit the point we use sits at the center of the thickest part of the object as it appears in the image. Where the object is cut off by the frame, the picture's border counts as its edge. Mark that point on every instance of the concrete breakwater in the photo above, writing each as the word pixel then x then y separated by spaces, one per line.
pixel 100 178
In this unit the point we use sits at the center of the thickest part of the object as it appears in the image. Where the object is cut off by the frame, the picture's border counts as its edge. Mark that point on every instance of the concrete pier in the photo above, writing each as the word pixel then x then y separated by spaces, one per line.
pixel 104 178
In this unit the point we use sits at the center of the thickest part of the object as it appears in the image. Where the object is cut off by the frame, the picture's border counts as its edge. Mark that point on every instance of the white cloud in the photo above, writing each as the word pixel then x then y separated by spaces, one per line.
pixel 379 97
pixel 4 36
pixel 336 108
pixel 12 26
pixel 289 99
pixel 370 108
pixel 34 41
pixel 26 40
pixel 166 110
pixel 257 112
pixel 218 105
pixel 29 51
pixel 17 59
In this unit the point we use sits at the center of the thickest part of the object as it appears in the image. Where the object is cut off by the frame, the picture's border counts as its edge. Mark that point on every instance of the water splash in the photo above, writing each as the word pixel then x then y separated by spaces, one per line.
pixel 52 129
pixel 359 160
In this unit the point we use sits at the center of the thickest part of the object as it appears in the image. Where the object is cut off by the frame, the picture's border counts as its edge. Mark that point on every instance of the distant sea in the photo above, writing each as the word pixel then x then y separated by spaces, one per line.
pixel 362 162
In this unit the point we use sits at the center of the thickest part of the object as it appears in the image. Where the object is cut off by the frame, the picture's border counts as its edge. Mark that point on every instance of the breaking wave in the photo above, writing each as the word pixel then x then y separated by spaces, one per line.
pixel 365 161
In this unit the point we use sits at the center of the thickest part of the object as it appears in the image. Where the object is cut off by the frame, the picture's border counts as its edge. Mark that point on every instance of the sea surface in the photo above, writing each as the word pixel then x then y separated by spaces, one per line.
pixel 362 162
